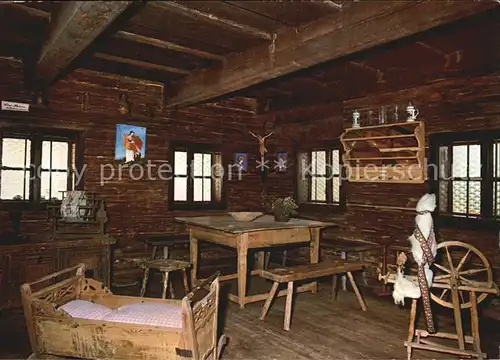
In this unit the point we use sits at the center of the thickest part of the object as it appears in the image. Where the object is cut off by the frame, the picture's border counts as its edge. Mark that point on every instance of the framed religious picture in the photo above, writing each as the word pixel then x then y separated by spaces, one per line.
pixel 130 143
pixel 281 162
pixel 241 160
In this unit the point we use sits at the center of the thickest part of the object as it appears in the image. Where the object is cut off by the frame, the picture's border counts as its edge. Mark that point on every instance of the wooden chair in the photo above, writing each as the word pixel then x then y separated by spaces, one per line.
pixel 303 272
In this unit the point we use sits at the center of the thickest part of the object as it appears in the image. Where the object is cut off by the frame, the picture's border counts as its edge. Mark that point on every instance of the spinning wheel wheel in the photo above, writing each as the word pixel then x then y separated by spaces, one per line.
pixel 459 265
pixel 462 279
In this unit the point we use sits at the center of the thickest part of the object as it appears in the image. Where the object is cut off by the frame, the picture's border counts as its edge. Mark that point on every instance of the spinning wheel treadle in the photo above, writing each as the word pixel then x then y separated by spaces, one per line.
pixel 472 270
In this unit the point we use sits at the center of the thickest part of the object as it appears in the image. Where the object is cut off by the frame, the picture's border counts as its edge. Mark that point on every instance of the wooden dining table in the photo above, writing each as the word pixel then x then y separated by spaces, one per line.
pixel 261 233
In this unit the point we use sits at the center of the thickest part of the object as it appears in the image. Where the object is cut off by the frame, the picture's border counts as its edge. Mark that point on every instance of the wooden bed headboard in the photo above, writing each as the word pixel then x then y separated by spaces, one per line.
pixel 57 293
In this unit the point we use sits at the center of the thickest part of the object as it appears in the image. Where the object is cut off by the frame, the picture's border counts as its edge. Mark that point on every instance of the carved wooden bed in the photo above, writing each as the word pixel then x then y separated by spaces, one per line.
pixel 55 328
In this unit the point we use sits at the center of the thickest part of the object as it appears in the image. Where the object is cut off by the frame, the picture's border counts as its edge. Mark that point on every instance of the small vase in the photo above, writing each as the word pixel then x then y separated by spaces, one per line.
pixel 281 217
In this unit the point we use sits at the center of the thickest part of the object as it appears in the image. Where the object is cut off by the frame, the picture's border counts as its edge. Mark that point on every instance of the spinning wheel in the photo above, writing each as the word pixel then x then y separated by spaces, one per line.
pixel 462 279
pixel 471 270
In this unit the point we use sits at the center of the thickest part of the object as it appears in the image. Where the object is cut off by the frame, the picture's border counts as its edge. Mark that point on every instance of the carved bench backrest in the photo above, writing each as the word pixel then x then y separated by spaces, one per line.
pixel 201 318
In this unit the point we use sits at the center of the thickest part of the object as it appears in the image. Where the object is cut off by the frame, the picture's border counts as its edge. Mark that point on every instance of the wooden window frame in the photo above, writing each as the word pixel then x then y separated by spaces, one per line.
pixel 37 136
pixel 486 220
pixel 190 204
pixel 332 206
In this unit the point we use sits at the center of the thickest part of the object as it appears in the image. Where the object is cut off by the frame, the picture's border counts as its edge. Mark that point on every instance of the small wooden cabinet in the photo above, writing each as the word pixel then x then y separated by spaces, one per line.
pixel 22 263
pixel 390 153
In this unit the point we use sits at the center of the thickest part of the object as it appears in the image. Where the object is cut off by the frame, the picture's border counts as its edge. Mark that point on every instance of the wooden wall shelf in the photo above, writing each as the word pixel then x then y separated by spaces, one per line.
pixel 390 153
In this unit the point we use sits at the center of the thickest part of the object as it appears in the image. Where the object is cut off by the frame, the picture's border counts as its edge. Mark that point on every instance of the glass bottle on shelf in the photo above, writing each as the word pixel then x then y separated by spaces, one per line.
pixel 396 114
pixel 370 117
pixel 355 119
pixel 382 117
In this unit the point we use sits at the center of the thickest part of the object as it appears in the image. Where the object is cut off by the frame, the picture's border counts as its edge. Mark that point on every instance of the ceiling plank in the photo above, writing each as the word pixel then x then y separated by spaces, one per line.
pixel 141 64
pixel 162 44
pixel 199 15
pixel 359 26
pixel 75 26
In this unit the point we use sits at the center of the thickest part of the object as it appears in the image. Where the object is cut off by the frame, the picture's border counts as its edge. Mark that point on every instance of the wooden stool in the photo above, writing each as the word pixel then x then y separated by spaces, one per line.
pixel 165 266
pixel 303 272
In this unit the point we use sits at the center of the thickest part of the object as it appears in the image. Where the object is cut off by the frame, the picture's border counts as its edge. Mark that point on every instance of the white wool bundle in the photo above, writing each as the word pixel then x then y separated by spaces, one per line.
pixel 404 288
pixel 425 223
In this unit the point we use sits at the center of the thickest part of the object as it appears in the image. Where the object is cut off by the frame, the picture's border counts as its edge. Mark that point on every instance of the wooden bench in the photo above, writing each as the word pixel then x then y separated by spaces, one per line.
pixel 303 272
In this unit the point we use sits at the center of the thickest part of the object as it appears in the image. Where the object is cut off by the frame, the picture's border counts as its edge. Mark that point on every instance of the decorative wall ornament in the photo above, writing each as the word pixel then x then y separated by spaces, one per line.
pixel 382 116
pixel 412 112
pixel 86 101
pixel 355 119
pixel 241 160
pixel 130 143
pixel 262 144
pixel 263 163
pixel 281 163
pixel 124 105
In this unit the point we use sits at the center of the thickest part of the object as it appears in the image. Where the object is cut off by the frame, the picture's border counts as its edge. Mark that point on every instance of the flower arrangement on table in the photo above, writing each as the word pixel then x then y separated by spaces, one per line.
pixel 284 208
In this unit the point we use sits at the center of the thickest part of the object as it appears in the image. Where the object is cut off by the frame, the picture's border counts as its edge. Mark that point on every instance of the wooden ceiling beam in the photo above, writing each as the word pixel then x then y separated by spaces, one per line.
pixel 200 15
pixel 359 26
pixel 73 28
pixel 141 64
pixel 162 44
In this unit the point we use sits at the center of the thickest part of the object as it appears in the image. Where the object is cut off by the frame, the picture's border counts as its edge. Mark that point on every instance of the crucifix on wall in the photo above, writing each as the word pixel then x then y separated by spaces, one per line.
pixel 262 145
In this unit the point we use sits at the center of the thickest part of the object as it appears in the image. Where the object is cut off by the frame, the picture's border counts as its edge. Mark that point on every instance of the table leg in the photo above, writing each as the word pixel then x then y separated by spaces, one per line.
pixel 164 285
pixel 288 307
pixel 242 250
pixel 194 258
pixel 343 256
pixel 145 279
pixel 185 280
pixel 261 260
pixel 171 289
pixel 314 252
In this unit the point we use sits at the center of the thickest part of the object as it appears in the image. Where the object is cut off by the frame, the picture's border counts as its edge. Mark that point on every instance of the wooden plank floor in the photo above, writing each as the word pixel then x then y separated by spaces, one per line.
pixel 320 329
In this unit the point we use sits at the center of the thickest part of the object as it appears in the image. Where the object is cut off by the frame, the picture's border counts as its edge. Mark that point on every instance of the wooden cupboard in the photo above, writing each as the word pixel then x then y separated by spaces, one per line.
pixel 20 263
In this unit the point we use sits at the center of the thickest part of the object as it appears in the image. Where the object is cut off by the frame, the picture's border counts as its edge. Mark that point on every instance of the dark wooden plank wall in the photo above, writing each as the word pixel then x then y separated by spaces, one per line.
pixel 465 96
pixel 449 99
pixel 135 207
